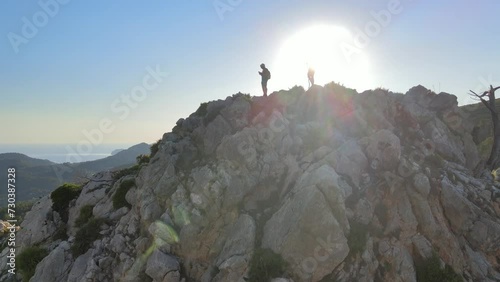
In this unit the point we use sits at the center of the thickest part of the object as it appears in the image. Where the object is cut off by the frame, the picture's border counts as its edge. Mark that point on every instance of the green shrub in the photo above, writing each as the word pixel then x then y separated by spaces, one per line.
pixel 248 98
pixel 485 148
pixel 142 159
pixel 429 270
pixel 435 160
pixel 380 88
pixel 357 238
pixel 202 110
pixel 340 89
pixel 60 233
pixel 86 235
pixel 211 116
pixel 127 171
pixel 28 259
pixel 62 196
pixel 154 148
pixel 265 265
pixel 85 215
pixel 119 196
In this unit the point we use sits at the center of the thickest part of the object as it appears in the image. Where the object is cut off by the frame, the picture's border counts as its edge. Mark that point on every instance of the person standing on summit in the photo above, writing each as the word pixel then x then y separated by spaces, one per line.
pixel 266 75
pixel 310 76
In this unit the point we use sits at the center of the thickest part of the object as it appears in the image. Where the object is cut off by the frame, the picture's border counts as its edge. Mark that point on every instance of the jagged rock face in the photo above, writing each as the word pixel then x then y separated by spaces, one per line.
pixel 39 225
pixel 356 187
pixel 55 266
pixel 319 223
pixel 93 194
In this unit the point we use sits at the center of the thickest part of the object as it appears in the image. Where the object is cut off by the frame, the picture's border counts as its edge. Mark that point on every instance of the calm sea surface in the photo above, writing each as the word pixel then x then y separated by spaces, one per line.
pixel 60 153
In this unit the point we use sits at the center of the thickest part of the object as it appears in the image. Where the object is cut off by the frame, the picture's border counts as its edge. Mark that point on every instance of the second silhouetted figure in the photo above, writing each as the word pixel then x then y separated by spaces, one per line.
pixel 310 76
pixel 266 75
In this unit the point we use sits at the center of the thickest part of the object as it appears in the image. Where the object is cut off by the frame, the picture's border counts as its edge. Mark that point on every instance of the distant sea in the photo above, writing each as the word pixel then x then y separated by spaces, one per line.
pixel 59 153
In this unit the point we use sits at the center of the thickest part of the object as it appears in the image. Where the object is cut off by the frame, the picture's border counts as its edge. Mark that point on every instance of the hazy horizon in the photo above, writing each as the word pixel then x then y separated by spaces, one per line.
pixel 98 72
pixel 58 153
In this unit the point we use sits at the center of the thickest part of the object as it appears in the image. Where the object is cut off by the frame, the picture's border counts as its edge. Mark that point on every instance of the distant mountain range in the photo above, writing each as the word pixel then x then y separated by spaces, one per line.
pixel 36 178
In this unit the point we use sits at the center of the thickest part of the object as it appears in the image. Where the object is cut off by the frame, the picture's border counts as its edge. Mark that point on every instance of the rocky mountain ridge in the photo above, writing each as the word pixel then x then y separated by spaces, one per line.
pixel 337 185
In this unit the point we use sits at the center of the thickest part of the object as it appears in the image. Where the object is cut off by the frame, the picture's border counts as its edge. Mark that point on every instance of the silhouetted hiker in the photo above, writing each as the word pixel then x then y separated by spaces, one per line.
pixel 310 76
pixel 266 75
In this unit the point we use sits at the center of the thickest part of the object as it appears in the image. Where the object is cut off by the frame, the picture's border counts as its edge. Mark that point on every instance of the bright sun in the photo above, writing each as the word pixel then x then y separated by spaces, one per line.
pixel 320 47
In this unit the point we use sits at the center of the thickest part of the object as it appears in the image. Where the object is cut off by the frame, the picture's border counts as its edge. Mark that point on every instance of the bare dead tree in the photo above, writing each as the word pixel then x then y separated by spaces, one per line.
pixel 494 159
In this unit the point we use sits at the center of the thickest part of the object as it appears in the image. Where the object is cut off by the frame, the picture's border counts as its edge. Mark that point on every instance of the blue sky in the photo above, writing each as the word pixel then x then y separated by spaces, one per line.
pixel 65 79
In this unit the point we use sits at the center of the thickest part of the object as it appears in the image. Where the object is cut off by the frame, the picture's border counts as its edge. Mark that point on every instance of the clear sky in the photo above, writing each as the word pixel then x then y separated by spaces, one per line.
pixel 65 67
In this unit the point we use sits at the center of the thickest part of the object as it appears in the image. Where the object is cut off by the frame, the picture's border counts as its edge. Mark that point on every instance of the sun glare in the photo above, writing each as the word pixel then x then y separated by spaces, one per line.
pixel 320 47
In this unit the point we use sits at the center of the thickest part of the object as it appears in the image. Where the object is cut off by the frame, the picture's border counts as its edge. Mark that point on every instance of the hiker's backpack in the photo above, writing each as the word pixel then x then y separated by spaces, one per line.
pixel 268 74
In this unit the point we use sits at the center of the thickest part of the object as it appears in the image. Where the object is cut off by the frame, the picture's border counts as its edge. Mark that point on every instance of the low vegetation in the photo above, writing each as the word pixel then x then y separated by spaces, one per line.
pixel 28 259
pixel 85 215
pixel 265 265
pixel 61 233
pixel 126 171
pixel 119 200
pixel 247 97
pixel 340 89
pixel 435 160
pixel 202 110
pixel 485 148
pixel 143 159
pixel 62 196
pixel 154 148
pixel 357 238
pixel 211 116
pixel 86 235
pixel 429 270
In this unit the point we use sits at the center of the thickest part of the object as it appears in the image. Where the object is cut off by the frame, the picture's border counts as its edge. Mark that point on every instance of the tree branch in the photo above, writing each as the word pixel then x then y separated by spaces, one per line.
pixel 483 101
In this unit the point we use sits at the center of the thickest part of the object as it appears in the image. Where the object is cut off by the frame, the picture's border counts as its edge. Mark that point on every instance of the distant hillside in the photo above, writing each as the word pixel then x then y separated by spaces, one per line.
pixel 36 178
pixel 479 114
pixel 116 152
pixel 122 158
pixel 16 159
pixel 482 134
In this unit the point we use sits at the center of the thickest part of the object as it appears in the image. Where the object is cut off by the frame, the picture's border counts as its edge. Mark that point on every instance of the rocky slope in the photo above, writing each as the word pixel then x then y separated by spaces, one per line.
pixel 342 186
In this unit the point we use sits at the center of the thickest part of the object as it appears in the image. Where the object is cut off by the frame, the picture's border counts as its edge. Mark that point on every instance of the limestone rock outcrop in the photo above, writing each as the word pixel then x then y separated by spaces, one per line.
pixel 339 185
